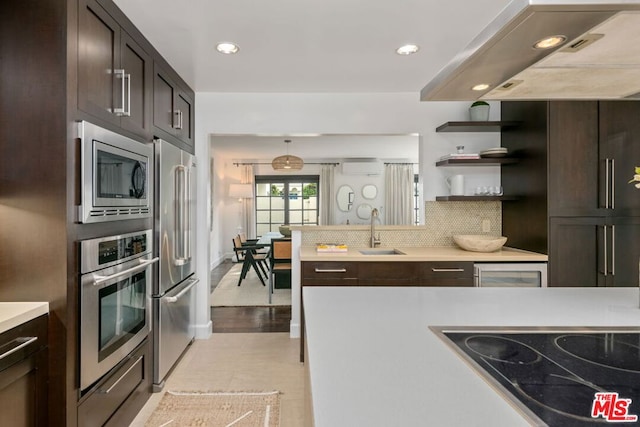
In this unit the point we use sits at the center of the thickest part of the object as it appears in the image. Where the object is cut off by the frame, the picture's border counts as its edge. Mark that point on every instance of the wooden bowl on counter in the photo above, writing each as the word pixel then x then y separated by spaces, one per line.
pixel 479 242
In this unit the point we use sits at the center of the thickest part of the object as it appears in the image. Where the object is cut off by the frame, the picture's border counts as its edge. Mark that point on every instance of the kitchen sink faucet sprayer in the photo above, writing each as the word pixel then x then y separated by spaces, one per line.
pixel 374 241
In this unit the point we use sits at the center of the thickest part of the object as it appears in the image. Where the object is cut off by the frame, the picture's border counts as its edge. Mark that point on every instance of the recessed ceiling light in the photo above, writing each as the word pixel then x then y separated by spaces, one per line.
pixel 227 48
pixel 407 49
pixel 481 86
pixel 549 42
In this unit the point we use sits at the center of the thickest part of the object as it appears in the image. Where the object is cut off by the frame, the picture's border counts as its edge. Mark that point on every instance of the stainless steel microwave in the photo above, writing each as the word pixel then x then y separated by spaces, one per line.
pixel 116 176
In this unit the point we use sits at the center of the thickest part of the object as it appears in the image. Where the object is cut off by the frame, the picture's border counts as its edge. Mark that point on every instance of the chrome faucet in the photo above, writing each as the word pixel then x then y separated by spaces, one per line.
pixel 374 241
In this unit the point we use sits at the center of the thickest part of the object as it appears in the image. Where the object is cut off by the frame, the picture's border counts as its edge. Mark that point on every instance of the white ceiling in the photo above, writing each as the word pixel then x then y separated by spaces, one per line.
pixel 309 46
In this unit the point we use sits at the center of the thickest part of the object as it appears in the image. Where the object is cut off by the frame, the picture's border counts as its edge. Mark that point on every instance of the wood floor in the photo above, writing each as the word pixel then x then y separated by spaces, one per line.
pixel 246 319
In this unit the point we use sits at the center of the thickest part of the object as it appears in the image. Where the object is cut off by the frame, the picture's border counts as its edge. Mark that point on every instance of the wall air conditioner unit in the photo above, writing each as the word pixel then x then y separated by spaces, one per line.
pixel 362 167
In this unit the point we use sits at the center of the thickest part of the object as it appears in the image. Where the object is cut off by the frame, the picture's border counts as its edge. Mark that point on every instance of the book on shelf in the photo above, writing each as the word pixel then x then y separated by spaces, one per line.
pixel 331 247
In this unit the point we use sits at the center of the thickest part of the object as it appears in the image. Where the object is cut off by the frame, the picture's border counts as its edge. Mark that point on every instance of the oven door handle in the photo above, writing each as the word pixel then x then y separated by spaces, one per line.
pixel 180 294
pixel 98 280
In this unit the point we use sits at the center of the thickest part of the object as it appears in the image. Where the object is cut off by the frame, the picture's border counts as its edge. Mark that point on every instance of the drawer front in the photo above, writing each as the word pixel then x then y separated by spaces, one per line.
pixel 22 341
pixel 329 272
pixel 113 391
pixel 447 273
pixel 388 273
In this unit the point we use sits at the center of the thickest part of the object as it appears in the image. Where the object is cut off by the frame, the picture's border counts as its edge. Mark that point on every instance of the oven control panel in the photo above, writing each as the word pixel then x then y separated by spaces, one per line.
pixel 104 252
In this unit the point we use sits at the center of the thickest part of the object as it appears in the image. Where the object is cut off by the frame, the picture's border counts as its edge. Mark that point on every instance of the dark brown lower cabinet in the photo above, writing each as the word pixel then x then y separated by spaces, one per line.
pixel 576 251
pixel 387 273
pixel 625 243
pixel 382 273
pixel 23 375
pixel 594 251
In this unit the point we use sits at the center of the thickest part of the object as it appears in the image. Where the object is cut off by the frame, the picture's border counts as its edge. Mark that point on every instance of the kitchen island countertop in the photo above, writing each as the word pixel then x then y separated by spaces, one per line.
pixel 373 360
pixel 436 253
pixel 13 314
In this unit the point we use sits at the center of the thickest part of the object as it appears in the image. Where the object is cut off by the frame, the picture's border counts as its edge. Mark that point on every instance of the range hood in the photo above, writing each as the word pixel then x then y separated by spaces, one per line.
pixel 598 59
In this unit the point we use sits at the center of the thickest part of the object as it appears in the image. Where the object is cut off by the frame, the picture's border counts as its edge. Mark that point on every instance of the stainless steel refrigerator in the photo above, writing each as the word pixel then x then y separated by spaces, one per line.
pixel 174 289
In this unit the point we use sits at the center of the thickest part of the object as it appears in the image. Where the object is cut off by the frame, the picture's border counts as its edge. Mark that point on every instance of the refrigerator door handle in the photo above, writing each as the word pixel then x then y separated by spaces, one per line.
pixel 179 212
pixel 187 217
pixel 182 293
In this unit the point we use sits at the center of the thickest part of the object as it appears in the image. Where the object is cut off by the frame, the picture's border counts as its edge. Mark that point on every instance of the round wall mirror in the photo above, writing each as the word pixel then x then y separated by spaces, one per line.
pixel 364 211
pixel 369 191
pixel 344 198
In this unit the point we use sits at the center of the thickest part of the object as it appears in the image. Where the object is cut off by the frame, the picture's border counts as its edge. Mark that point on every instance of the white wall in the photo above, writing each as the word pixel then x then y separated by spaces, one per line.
pixel 344 113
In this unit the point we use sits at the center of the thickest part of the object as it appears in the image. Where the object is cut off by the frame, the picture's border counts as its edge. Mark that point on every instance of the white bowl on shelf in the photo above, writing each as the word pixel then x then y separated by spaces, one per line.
pixel 479 242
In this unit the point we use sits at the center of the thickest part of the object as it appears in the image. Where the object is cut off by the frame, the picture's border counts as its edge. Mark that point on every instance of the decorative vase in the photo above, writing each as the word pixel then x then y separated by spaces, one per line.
pixel 479 113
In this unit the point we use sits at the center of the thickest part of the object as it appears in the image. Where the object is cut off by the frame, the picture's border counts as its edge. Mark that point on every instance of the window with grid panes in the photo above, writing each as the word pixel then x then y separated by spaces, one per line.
pixel 282 199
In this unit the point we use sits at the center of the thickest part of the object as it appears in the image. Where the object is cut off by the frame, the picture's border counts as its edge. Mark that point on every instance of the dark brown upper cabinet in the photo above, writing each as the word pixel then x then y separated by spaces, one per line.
pixel 114 72
pixel 593 157
pixel 574 172
pixel 619 136
pixel 173 114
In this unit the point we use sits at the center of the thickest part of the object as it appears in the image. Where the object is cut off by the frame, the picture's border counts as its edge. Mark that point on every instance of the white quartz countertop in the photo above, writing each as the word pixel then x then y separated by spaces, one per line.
pixel 373 361
pixel 13 314
pixel 438 253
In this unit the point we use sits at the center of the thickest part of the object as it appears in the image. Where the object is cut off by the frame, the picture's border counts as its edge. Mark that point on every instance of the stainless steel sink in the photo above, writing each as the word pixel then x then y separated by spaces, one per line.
pixel 382 252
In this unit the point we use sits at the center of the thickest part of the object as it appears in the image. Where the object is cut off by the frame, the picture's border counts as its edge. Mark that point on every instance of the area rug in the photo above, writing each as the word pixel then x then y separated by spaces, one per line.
pixel 217 409
pixel 250 292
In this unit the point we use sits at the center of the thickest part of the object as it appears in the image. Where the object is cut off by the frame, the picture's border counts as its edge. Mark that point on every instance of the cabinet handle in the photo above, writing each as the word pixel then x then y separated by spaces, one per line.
pixel 331 270
pixel 606 187
pixel 447 270
pixel 606 265
pixel 178 115
pixel 25 341
pixel 107 391
pixel 124 78
pixel 127 113
pixel 613 184
pixel 613 250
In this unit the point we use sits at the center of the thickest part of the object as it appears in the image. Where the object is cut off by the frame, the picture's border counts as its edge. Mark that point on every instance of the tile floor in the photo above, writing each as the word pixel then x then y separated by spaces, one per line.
pixel 241 362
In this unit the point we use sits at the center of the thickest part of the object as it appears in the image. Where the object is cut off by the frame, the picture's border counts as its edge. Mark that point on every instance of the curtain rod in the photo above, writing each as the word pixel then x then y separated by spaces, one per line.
pixel 407 163
pixel 237 164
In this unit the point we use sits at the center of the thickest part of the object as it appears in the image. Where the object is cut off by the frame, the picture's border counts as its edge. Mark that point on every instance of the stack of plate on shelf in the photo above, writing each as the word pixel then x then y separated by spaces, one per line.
pixel 494 152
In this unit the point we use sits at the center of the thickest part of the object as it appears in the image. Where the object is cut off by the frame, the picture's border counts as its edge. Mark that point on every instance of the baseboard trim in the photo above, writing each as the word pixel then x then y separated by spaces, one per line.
pixel 294 330
pixel 203 332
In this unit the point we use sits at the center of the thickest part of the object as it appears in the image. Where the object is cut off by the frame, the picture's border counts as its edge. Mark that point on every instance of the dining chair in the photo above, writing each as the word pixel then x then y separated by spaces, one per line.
pixel 279 260
pixel 250 259
pixel 245 241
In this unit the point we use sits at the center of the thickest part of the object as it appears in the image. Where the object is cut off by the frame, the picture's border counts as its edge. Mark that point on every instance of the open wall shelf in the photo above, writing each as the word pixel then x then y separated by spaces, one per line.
pixel 477 162
pixel 469 126
pixel 474 198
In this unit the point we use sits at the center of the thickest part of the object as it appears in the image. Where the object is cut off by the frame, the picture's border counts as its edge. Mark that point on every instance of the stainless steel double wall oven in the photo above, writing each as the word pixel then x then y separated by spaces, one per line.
pixel 115 302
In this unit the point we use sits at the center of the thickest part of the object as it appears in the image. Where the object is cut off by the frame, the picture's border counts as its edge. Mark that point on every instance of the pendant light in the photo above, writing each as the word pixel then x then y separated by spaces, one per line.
pixel 287 162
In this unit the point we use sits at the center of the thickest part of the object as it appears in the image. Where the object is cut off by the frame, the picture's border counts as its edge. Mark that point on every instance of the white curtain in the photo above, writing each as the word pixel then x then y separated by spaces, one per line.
pixel 398 194
pixel 326 199
pixel 248 221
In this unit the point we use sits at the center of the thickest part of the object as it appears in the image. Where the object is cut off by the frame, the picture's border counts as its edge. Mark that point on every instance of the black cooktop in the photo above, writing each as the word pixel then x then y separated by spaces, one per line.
pixel 559 378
